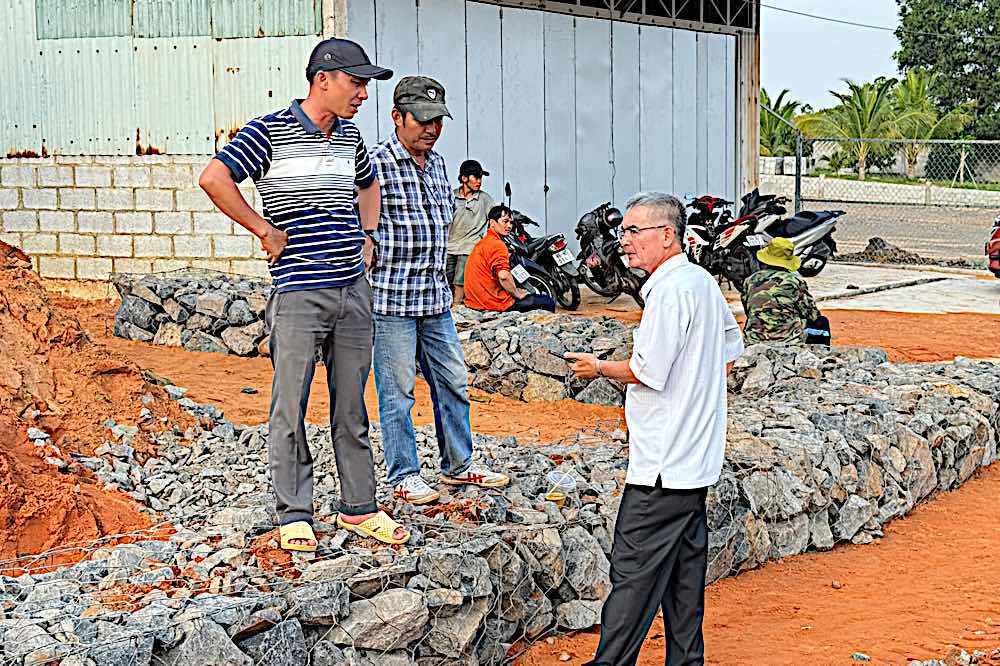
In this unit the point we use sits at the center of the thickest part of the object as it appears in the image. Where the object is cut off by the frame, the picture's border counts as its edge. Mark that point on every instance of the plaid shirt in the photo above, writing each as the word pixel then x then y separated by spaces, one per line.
pixel 417 207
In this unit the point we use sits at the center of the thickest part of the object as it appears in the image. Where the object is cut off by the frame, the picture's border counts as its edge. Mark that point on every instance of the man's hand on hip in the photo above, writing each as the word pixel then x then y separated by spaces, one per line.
pixel 273 242
pixel 584 366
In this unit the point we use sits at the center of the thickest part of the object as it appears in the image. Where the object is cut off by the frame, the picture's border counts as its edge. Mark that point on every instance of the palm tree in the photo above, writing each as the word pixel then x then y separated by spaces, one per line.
pixel 777 138
pixel 838 160
pixel 865 111
pixel 913 101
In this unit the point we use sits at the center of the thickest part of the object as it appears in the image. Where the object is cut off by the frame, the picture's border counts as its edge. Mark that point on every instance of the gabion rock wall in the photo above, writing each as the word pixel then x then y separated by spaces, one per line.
pixel 824 447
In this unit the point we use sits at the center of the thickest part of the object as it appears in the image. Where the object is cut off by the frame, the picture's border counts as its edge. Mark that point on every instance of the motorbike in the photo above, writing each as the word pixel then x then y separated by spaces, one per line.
pixel 526 271
pixel 761 218
pixel 528 274
pixel 553 256
pixel 993 249
pixel 603 266
pixel 708 215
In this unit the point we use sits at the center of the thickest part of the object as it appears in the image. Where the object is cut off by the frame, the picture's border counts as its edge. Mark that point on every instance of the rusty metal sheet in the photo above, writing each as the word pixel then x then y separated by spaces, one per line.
pixel 87 88
pixel 64 19
pixel 173 96
pixel 265 18
pixel 20 112
pixel 252 77
pixel 172 18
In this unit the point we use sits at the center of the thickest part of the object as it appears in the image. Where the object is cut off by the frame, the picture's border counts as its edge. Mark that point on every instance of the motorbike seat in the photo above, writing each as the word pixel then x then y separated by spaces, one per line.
pixel 535 244
pixel 803 221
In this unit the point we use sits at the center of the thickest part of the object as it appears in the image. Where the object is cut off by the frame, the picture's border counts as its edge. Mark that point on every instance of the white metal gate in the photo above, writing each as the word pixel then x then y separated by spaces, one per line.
pixel 572 111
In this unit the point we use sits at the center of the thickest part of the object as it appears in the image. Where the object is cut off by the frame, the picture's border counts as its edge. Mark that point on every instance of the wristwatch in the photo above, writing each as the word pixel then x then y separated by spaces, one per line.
pixel 373 234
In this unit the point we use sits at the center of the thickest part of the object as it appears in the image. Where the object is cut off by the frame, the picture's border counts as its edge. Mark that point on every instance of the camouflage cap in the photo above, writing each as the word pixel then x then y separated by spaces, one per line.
pixel 422 96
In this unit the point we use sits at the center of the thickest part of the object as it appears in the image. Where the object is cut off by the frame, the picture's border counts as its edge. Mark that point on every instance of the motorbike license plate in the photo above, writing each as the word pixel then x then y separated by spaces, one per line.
pixel 563 257
pixel 757 240
pixel 624 258
pixel 519 273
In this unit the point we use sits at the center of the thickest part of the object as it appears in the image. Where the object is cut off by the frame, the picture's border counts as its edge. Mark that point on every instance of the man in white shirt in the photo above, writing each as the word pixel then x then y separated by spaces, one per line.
pixel 675 408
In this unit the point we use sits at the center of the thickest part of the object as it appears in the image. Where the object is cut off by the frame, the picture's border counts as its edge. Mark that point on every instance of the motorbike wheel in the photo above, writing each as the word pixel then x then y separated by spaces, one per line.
pixel 824 254
pixel 540 283
pixel 597 286
pixel 740 265
pixel 634 287
pixel 567 290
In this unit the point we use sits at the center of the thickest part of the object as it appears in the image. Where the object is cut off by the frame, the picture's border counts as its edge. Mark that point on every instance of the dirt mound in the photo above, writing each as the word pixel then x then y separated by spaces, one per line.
pixel 881 251
pixel 55 379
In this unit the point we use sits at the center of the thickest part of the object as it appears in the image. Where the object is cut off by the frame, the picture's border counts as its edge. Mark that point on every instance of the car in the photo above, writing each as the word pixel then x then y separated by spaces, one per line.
pixel 993 249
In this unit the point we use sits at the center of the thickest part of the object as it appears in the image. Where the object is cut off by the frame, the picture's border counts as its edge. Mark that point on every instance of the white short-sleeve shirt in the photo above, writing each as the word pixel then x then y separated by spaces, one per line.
pixel 676 415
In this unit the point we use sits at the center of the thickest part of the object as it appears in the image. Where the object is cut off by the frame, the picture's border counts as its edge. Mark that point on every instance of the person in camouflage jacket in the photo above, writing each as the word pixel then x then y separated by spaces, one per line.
pixel 776 300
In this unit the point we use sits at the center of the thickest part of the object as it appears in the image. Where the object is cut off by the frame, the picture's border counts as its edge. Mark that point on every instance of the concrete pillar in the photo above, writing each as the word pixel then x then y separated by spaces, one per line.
pixel 748 109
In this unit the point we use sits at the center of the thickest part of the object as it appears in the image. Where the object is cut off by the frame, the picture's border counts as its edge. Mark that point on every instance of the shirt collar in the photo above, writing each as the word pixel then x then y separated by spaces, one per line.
pixel 473 197
pixel 662 271
pixel 307 124
pixel 401 154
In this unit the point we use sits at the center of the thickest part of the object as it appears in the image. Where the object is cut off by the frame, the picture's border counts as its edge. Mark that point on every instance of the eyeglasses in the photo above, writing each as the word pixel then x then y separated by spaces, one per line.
pixel 634 230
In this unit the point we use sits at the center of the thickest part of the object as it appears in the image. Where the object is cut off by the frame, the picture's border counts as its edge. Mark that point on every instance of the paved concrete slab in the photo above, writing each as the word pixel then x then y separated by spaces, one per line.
pixel 847 279
pixel 961 294
pixel 933 289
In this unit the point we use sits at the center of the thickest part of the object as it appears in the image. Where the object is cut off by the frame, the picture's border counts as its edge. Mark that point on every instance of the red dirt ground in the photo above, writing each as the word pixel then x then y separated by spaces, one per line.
pixel 932 582
pixel 52 377
pixel 217 379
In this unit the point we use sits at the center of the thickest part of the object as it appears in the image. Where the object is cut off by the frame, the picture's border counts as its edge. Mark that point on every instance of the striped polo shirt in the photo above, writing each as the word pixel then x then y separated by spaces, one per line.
pixel 306 181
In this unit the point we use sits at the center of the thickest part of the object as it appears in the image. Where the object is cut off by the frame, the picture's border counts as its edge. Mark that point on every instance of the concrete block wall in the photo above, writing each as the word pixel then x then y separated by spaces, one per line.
pixel 85 217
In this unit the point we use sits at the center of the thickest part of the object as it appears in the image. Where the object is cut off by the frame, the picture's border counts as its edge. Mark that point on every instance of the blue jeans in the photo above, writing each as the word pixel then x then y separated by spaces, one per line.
pixel 400 342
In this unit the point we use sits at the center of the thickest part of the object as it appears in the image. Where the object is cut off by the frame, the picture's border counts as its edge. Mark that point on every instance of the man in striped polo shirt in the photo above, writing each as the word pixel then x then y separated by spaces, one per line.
pixel 306 161
pixel 413 299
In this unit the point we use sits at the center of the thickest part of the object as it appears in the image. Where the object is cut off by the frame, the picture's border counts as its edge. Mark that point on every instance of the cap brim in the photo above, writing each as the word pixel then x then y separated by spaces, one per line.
pixel 424 111
pixel 368 72
pixel 486 173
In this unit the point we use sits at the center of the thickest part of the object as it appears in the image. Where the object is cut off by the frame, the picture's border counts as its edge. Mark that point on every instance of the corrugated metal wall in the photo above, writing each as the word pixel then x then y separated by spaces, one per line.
pixel 121 77
pixel 571 111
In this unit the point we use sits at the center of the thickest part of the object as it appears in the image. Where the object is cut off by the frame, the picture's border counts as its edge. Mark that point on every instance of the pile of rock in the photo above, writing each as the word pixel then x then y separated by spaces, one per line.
pixel 825 446
pixel 959 657
pixel 881 251
pixel 197 310
pixel 521 355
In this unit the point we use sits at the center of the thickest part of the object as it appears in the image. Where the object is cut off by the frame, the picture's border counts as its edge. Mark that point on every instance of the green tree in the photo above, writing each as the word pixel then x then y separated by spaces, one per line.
pixel 777 138
pixel 865 111
pixel 920 119
pixel 838 160
pixel 959 40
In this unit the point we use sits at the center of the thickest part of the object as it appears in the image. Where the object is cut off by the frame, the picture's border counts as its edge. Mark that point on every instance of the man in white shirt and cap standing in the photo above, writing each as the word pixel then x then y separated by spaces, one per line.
pixel 675 408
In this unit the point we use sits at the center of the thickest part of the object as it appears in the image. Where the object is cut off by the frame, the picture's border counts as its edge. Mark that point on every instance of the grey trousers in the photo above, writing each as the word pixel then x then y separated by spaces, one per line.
pixel 338 321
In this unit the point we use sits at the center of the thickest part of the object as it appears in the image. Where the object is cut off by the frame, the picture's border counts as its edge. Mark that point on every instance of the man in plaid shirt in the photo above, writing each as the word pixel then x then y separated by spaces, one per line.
pixel 412 299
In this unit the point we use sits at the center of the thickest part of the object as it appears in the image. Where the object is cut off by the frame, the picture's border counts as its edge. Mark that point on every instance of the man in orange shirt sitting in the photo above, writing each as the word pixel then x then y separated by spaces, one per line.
pixel 489 284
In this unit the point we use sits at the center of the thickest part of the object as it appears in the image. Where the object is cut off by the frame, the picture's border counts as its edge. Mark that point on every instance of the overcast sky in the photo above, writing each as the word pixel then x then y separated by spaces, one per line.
pixel 810 57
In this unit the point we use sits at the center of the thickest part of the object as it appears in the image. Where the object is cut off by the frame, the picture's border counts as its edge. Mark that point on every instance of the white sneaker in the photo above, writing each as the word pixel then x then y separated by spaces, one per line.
pixel 477 475
pixel 414 490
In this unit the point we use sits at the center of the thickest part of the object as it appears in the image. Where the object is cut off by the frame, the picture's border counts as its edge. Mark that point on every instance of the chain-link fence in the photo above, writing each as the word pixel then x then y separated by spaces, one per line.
pixel 930 201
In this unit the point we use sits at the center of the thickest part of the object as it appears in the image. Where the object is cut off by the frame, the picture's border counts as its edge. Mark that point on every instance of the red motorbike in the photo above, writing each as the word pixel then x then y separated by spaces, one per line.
pixel 993 248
